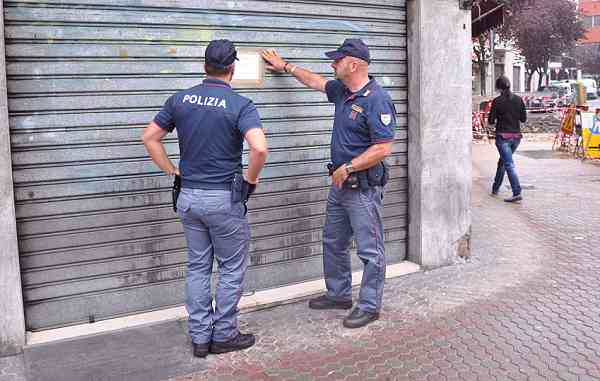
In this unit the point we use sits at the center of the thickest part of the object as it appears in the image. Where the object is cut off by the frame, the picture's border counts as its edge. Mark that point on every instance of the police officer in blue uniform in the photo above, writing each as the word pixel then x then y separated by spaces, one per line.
pixel 212 122
pixel 363 134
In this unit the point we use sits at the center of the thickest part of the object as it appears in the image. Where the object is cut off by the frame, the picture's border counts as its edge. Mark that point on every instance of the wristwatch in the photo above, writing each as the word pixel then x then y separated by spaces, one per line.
pixel 349 168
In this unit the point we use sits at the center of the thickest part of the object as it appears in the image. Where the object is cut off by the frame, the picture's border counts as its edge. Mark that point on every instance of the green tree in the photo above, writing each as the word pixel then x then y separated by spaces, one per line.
pixel 541 29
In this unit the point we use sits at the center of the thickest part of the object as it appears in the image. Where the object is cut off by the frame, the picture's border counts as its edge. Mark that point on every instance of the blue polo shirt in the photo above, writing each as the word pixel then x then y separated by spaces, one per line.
pixel 211 120
pixel 362 119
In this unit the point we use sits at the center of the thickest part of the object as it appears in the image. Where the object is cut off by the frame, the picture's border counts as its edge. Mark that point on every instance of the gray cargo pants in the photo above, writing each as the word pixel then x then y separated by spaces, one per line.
pixel 214 228
pixel 355 213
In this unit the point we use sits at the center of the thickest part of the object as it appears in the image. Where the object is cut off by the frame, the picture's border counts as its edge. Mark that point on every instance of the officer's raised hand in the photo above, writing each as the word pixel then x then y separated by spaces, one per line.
pixel 274 61
pixel 277 64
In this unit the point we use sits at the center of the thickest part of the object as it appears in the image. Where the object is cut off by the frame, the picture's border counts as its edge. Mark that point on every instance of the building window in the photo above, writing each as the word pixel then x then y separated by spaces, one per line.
pixel 591 21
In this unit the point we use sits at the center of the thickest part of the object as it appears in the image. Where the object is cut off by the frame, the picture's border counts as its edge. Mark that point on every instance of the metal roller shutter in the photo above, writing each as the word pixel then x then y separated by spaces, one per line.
pixel 98 238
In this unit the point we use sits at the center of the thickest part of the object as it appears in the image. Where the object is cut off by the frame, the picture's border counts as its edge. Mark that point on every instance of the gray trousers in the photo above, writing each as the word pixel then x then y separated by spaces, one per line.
pixel 215 228
pixel 355 213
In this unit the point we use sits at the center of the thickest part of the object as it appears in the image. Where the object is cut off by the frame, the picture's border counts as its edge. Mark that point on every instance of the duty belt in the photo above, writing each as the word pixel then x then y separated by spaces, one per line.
pixel 377 175
pixel 241 190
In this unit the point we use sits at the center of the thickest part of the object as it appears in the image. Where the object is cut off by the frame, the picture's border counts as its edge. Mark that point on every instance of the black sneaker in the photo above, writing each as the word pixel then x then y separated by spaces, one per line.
pixel 238 343
pixel 516 198
pixel 324 303
pixel 359 318
pixel 200 350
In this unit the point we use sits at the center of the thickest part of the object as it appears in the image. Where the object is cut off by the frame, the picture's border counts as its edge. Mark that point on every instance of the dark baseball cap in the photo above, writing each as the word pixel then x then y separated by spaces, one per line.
pixel 353 47
pixel 220 53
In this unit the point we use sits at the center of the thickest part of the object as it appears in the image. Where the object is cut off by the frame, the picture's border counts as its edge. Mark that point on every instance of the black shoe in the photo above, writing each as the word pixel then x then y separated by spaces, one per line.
pixel 324 303
pixel 359 318
pixel 516 198
pixel 241 341
pixel 200 350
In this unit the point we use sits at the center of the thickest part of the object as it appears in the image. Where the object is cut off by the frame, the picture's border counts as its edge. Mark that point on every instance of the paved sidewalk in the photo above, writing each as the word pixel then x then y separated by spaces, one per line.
pixel 526 307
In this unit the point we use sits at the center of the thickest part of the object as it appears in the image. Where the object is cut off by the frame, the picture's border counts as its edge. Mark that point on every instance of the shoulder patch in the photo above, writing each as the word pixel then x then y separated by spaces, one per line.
pixel 386 119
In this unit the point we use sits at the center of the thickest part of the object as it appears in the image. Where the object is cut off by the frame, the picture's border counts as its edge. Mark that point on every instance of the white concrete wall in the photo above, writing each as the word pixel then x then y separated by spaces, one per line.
pixel 507 58
pixel 511 59
pixel 12 318
pixel 439 131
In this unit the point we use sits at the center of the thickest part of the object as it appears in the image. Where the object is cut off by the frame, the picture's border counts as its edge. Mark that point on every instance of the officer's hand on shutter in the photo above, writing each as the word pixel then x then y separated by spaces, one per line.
pixel 274 60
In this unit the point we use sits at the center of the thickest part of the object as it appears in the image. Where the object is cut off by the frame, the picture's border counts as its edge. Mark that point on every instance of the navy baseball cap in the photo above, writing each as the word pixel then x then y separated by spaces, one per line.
pixel 220 53
pixel 353 47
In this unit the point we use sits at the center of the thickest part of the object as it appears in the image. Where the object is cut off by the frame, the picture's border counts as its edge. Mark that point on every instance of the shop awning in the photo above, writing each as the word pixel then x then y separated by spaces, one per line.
pixel 486 14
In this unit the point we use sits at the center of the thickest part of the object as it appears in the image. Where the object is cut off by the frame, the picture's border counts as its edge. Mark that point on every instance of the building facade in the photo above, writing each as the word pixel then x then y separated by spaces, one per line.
pixel 507 62
pixel 590 9
pixel 86 221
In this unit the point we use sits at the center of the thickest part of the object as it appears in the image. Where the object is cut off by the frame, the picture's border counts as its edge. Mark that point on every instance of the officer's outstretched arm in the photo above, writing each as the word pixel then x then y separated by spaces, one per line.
pixel 307 77
pixel 152 137
pixel 258 153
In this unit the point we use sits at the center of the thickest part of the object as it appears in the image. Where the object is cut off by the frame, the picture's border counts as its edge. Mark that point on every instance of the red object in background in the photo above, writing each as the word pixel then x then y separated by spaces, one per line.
pixel 479 120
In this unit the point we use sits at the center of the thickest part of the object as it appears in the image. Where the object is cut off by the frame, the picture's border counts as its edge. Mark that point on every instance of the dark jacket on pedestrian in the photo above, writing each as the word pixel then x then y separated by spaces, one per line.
pixel 507 111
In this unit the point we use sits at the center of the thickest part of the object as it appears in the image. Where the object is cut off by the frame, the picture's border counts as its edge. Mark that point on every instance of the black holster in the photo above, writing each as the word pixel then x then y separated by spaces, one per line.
pixel 175 191
pixel 378 175
pixel 363 180
pixel 241 190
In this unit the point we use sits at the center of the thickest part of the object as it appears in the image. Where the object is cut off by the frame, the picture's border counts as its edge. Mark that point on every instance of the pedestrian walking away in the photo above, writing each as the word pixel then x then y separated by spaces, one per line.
pixel 212 122
pixel 507 113
pixel 363 134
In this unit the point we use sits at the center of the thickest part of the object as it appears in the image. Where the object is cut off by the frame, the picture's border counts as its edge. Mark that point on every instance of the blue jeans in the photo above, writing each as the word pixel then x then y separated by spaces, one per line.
pixel 214 228
pixel 506 148
pixel 359 213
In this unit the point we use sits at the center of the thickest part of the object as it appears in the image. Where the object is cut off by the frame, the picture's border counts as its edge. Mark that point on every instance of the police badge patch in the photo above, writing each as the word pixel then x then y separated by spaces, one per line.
pixel 386 119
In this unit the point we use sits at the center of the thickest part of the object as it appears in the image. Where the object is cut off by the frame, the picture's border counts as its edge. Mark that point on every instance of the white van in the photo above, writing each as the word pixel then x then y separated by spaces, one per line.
pixel 591 89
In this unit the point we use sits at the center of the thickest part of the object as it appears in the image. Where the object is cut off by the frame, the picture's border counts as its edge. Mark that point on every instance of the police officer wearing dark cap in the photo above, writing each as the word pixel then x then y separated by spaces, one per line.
pixel 212 121
pixel 363 134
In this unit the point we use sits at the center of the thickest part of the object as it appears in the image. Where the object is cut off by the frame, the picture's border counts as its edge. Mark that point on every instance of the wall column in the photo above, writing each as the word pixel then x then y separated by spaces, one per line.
pixel 439 132
pixel 12 317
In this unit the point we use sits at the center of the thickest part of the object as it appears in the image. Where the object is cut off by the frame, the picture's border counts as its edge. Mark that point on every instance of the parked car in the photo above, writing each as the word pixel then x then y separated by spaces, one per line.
pixel 547 98
pixel 566 90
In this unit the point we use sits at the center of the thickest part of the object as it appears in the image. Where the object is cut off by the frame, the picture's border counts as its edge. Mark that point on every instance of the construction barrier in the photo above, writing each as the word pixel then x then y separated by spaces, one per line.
pixel 591 136
pixel 566 139
pixel 479 121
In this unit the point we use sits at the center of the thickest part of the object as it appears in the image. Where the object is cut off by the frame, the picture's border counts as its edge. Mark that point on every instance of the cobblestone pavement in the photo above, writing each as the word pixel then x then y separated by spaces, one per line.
pixel 525 307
